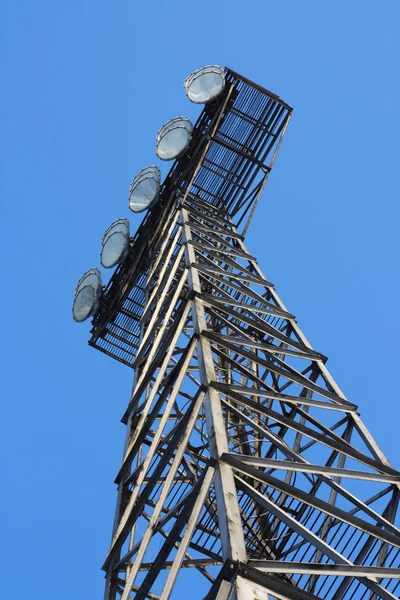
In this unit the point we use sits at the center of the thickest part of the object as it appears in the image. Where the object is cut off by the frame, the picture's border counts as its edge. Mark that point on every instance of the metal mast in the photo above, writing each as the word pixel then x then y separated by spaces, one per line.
pixel 244 462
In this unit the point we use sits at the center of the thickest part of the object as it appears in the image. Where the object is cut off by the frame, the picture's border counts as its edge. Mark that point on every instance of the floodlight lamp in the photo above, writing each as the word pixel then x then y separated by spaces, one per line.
pixel 205 84
pixel 87 295
pixel 115 243
pixel 173 138
pixel 90 277
pixel 143 193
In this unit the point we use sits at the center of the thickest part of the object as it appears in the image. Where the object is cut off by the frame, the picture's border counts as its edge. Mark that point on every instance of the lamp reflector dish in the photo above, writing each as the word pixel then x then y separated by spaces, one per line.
pixel 83 303
pixel 87 295
pixel 115 243
pixel 205 84
pixel 91 277
pixel 173 138
pixel 143 193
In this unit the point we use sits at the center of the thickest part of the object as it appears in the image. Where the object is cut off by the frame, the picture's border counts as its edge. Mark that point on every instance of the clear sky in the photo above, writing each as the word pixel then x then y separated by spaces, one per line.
pixel 86 85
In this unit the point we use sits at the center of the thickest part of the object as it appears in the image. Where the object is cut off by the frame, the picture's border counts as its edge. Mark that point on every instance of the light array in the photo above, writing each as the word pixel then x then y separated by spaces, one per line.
pixel 173 139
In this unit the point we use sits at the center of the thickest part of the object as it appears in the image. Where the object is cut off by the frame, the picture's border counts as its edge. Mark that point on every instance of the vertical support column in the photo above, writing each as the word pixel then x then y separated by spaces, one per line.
pixel 229 518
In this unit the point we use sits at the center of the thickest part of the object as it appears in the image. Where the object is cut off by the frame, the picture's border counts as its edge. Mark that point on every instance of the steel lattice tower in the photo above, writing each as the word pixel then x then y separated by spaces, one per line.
pixel 243 461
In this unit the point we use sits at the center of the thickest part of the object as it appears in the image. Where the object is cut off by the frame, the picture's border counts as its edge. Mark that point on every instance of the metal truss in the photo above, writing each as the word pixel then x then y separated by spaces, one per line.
pixel 243 460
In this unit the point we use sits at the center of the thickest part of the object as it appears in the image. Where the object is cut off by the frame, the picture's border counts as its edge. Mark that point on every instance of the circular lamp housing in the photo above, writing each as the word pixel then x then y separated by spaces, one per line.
pixel 87 295
pixel 91 277
pixel 115 243
pixel 144 190
pixel 173 138
pixel 205 84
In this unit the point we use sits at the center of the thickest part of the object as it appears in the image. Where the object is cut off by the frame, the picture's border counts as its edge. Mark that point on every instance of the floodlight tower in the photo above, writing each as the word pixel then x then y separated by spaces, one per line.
pixel 244 463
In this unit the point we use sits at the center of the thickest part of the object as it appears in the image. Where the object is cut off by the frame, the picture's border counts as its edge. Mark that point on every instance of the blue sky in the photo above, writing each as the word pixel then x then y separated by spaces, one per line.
pixel 86 85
